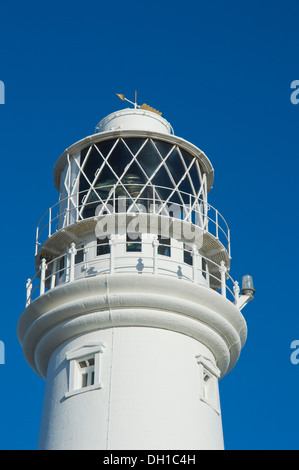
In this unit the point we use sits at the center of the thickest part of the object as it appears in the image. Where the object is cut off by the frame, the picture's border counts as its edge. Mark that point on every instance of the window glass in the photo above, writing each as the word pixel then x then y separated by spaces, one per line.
pixel 149 158
pixel 79 258
pixel 61 266
pixel 187 254
pixel 119 158
pixel 204 267
pixel 164 247
pixel 103 247
pixel 134 143
pixel 163 147
pixel 133 244
pixel 87 371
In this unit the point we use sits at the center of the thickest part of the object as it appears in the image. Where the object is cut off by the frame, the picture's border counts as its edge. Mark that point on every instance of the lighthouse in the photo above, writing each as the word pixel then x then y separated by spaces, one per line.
pixel 132 317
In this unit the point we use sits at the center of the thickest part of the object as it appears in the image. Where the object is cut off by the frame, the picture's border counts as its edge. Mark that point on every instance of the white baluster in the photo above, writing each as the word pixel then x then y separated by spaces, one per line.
pixel 50 221
pixel 72 254
pixel 194 254
pixel 28 292
pixel 223 270
pixel 236 291
pixel 155 245
pixel 112 244
pixel 43 267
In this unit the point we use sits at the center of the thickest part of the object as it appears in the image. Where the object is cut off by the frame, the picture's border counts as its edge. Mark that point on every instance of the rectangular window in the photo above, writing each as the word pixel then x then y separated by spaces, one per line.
pixel 79 258
pixel 207 386
pixel 87 371
pixel 204 267
pixel 187 255
pixel 164 247
pixel 84 369
pixel 133 243
pixel 61 267
pixel 103 247
pixel 209 375
pixel 84 380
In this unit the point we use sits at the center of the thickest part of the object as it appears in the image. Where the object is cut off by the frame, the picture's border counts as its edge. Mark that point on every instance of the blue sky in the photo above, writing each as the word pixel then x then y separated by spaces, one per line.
pixel 220 72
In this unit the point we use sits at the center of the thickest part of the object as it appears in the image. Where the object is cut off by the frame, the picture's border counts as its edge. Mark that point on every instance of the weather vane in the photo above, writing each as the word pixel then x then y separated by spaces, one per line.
pixel 143 106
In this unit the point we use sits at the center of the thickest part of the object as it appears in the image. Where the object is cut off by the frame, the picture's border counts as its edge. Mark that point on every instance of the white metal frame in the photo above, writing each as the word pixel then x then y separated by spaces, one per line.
pixel 71 187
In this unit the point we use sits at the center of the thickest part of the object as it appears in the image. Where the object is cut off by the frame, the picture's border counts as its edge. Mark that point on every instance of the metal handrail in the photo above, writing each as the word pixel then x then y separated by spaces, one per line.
pixel 47 282
pixel 57 218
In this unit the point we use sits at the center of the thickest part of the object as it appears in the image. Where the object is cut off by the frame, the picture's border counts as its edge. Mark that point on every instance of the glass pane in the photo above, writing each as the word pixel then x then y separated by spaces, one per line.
pixel 61 266
pixel 82 364
pixel 149 158
pixel 175 166
pixel 105 146
pixel 84 380
pixel 79 258
pixel 187 255
pixel 104 182
pixel 164 246
pixel 163 147
pixel 134 143
pixel 204 267
pixel 94 161
pixel 120 158
pixel 102 187
pixel 103 247
pixel 83 154
pixel 134 180
pixel 193 172
pixel 133 243
pixel 162 179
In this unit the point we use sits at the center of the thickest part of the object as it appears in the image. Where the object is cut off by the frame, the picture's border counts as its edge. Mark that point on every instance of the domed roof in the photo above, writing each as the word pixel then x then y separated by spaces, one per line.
pixel 134 119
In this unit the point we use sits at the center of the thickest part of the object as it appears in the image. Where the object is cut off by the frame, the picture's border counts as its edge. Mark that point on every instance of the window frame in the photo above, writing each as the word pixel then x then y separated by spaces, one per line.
pixel 80 255
pixel 208 388
pixel 87 371
pixel 61 266
pixel 164 248
pixel 75 374
pixel 187 254
pixel 103 244
pixel 134 245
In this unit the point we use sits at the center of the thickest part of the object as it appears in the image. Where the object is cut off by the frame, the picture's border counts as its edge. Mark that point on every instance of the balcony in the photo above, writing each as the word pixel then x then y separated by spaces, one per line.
pixel 107 200
pixel 119 256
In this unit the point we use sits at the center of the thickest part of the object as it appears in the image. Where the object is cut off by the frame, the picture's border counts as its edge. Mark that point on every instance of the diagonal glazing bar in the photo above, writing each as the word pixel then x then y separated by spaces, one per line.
pixel 134 158
pixel 149 179
pixel 148 183
pixel 187 170
pixel 80 167
pixel 176 187
pixel 172 179
pixel 91 184
pixel 119 184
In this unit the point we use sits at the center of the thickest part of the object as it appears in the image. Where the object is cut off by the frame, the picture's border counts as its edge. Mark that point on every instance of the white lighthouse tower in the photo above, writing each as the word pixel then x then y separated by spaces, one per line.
pixel 132 317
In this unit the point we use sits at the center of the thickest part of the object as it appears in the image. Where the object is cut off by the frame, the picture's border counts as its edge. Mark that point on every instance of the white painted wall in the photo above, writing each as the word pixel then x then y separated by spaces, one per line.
pixel 150 395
